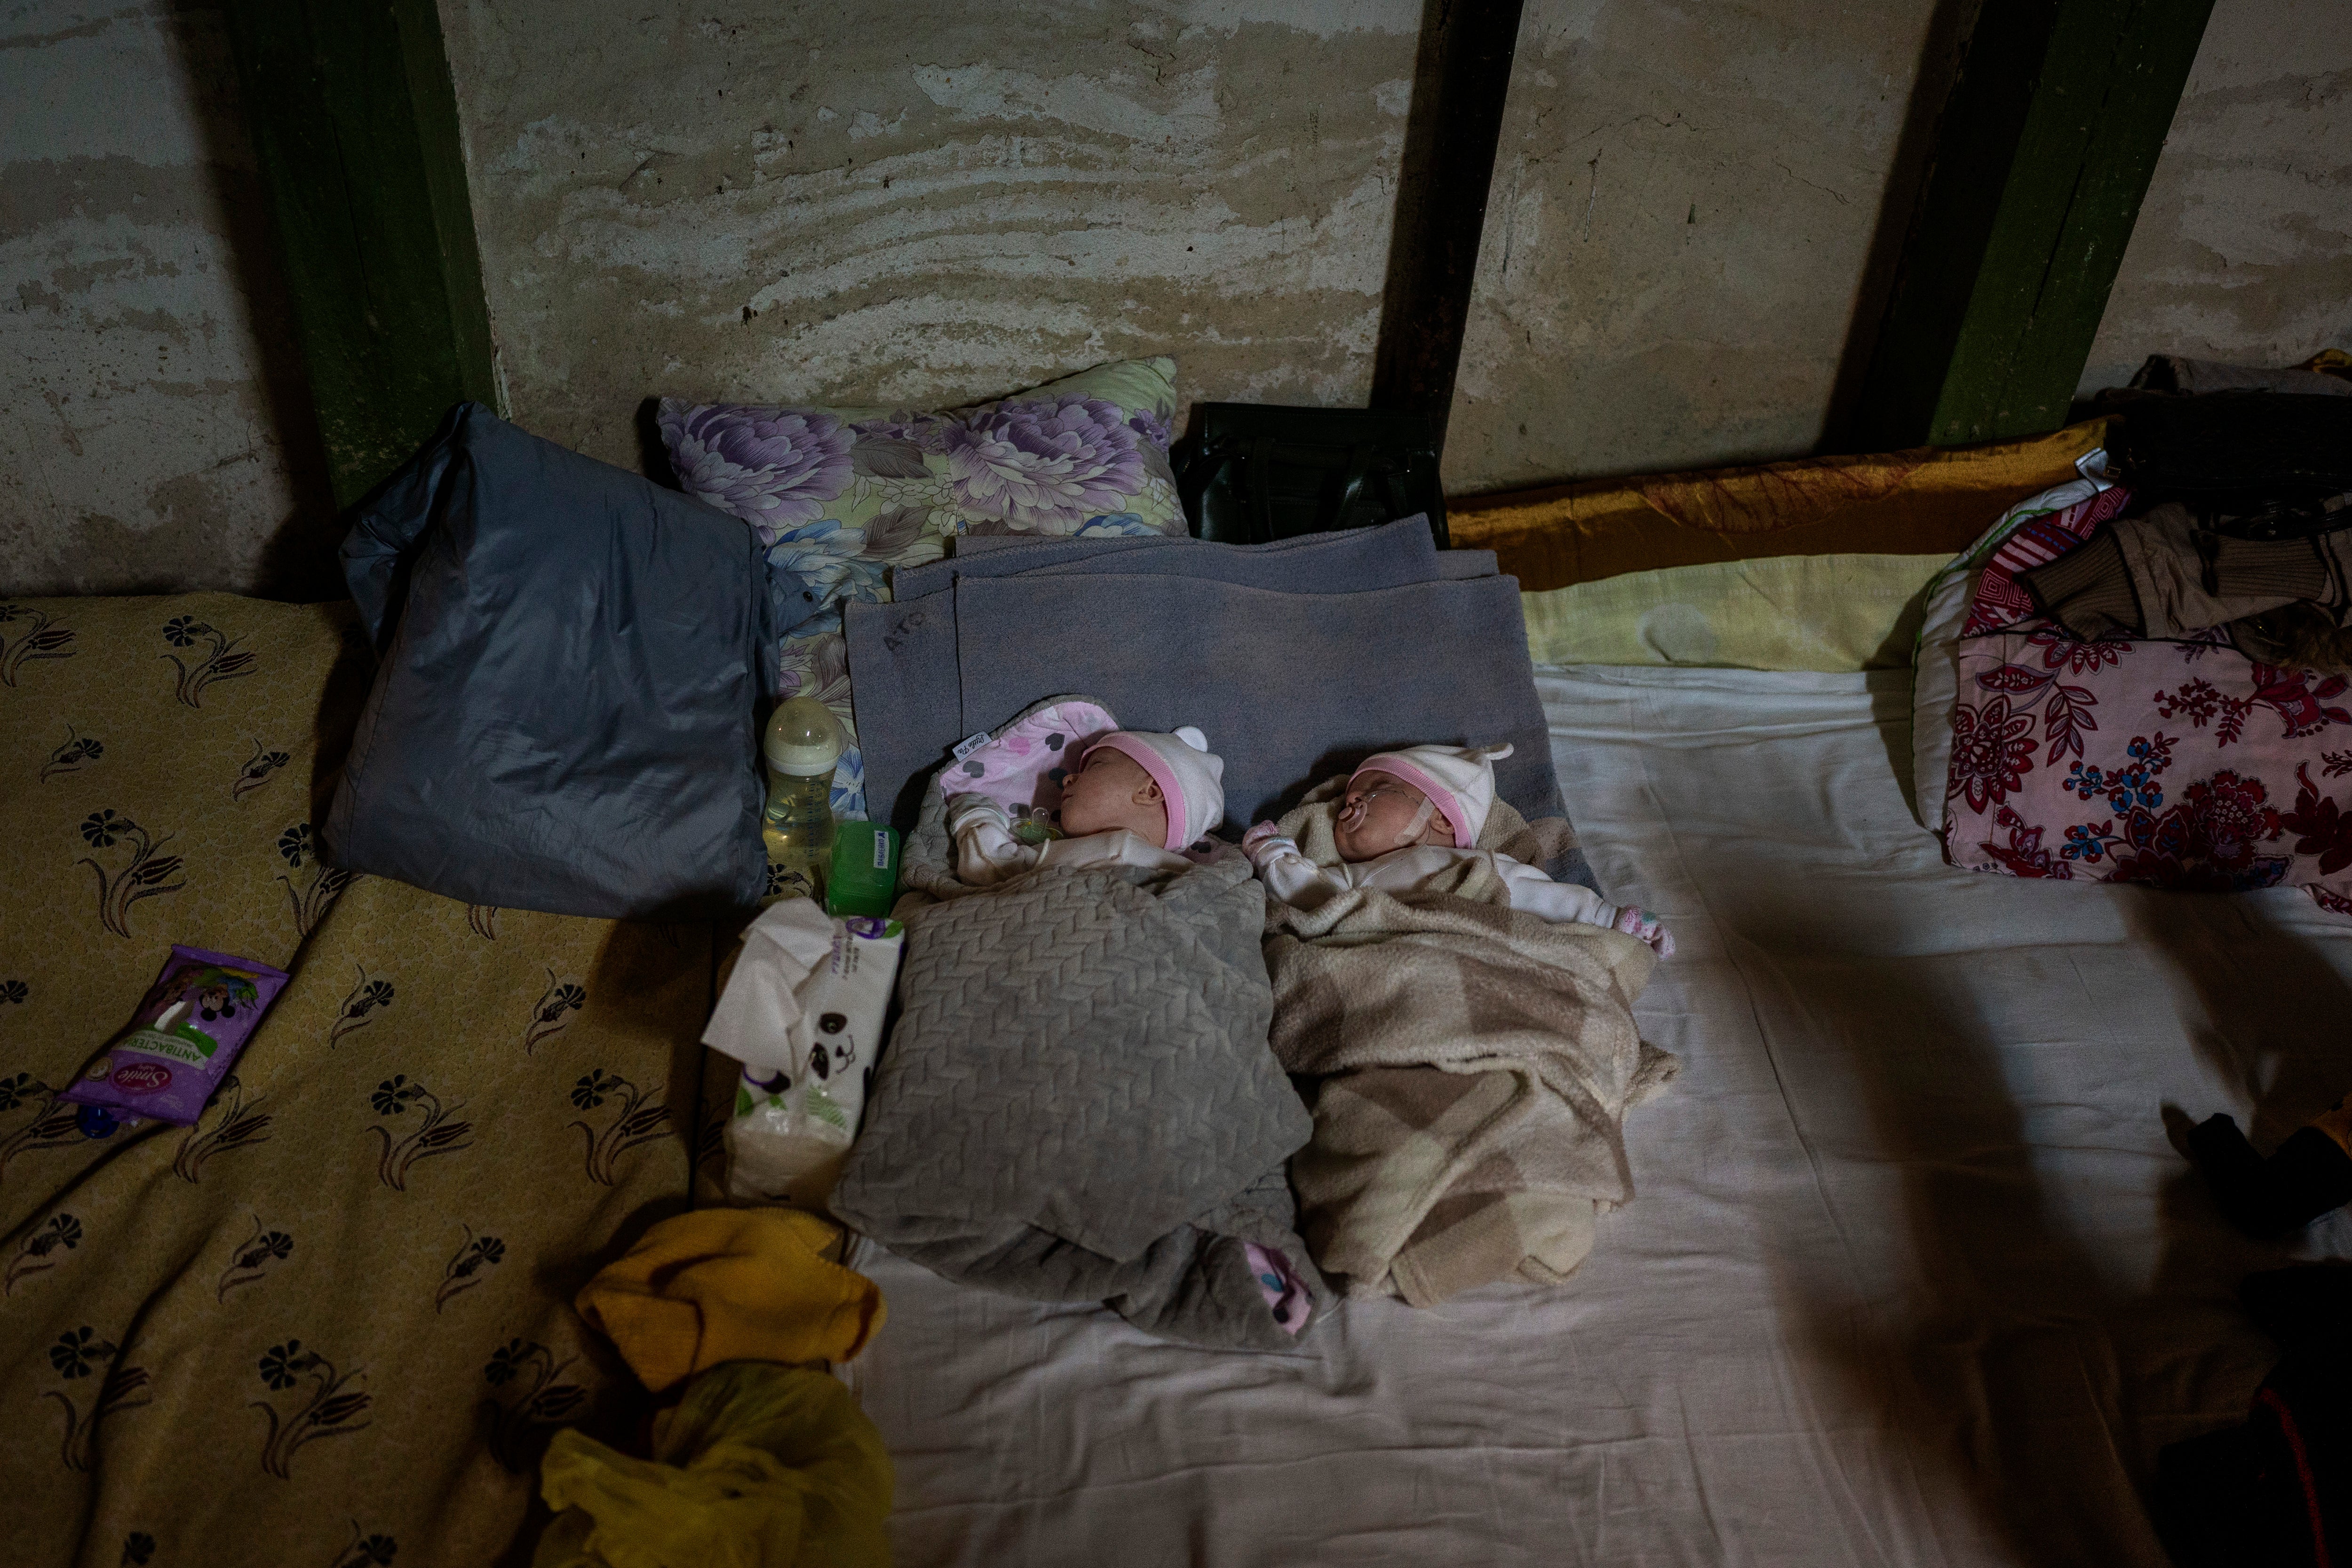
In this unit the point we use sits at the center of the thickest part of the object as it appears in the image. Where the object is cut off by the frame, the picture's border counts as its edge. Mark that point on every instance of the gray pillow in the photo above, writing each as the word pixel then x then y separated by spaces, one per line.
pixel 563 718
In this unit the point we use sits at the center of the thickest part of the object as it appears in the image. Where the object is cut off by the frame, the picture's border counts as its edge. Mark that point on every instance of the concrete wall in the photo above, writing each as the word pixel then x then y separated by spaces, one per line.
pixel 924 203
pixel 154 431
pixel 1695 207
pixel 1698 207
pixel 2244 248
pixel 1690 211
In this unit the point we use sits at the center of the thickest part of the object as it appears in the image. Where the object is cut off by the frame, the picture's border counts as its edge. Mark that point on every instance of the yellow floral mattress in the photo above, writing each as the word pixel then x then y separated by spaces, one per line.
pixel 330 1322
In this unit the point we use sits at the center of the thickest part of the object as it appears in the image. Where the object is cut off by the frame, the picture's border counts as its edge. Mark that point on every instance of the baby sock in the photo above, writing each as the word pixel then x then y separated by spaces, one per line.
pixel 1642 925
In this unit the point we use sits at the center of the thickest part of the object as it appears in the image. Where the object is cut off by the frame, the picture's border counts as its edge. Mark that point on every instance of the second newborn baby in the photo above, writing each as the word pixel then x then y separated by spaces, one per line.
pixel 1411 816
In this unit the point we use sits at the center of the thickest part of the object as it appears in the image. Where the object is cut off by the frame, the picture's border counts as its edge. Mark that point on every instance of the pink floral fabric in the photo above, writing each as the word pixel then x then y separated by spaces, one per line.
pixel 2179 764
pixel 2002 600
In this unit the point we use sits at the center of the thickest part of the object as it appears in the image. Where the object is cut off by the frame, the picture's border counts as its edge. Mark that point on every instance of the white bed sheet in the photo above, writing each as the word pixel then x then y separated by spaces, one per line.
pixel 1914 1275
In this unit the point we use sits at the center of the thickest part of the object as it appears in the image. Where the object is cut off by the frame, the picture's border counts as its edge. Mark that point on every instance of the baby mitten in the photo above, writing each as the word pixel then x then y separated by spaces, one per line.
pixel 1277 859
pixel 986 851
pixel 1290 876
pixel 1647 927
pixel 1266 843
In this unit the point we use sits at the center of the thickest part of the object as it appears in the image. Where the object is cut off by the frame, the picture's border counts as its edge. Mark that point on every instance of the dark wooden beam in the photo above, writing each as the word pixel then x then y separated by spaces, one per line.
pixel 2039 164
pixel 1460 79
pixel 355 123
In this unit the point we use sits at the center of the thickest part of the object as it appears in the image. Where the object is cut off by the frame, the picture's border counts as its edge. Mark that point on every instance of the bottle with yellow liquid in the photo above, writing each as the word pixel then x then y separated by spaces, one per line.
pixel 803 743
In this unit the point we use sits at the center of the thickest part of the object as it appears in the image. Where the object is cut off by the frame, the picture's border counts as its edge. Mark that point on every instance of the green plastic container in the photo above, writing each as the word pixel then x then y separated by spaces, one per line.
pixel 865 872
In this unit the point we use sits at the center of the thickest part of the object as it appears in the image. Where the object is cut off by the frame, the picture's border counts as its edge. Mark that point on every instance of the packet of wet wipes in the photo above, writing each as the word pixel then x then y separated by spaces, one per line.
pixel 803 1014
pixel 187 1032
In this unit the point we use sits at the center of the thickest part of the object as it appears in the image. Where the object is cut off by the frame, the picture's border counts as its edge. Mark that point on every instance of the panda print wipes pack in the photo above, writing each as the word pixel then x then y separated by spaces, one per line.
pixel 803 1014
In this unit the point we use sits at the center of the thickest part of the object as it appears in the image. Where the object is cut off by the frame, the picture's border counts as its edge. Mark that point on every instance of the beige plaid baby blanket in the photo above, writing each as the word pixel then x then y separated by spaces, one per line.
pixel 1475 1063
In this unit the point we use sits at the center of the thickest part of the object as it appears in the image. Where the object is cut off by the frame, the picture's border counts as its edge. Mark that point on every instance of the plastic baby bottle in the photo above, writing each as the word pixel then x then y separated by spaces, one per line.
pixel 803 743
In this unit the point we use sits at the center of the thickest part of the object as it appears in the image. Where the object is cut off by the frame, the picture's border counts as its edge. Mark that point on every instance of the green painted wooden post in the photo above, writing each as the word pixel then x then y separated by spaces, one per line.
pixel 2040 161
pixel 354 121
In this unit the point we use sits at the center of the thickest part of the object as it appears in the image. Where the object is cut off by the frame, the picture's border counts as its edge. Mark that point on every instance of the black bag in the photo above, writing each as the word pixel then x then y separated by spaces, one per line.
pixel 1259 472
pixel 2237 453
pixel 565 716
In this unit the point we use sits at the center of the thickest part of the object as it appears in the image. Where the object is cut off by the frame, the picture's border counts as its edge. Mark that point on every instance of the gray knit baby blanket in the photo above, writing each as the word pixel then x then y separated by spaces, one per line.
pixel 1077 1102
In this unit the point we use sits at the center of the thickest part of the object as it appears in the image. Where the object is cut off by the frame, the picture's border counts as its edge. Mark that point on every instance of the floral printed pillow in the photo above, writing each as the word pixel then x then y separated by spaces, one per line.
pixel 1086 454
pixel 2186 764
pixel 840 495
pixel 2177 764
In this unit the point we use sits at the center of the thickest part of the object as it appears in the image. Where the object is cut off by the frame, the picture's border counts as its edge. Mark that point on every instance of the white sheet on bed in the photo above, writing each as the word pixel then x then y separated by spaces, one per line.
pixel 1914 1275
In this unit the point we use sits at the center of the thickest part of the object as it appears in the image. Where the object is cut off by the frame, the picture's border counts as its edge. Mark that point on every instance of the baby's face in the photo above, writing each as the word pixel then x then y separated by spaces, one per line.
pixel 1376 816
pixel 1109 791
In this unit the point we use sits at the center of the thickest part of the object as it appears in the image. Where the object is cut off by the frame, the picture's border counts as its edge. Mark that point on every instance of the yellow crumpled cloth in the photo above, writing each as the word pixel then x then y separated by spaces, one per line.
pixel 731 1284
pixel 758 1466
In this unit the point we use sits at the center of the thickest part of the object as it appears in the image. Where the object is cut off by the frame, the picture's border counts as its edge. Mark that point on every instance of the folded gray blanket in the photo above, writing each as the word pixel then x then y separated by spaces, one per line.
pixel 1296 658
pixel 1077 1102
pixel 1400 551
pixel 903 654
pixel 1290 687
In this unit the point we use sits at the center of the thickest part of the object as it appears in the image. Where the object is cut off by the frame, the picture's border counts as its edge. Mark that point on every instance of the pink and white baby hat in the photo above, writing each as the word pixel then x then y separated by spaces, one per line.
pixel 1458 780
pixel 1190 777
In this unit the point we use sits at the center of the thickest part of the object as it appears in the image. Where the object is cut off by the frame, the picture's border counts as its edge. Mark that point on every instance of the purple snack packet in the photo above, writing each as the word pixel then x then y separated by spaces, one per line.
pixel 187 1032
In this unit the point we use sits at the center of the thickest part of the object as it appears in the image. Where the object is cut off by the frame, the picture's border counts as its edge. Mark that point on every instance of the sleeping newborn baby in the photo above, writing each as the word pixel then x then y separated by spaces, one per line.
pixel 1408 819
pixel 1135 798
pixel 1062 912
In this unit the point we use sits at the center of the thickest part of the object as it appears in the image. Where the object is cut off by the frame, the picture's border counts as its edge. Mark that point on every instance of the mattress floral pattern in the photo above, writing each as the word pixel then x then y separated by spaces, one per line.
pixel 330 1322
pixel 2177 764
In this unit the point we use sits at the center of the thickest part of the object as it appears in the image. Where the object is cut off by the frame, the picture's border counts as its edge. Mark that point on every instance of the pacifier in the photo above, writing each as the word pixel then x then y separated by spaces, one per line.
pixel 1357 808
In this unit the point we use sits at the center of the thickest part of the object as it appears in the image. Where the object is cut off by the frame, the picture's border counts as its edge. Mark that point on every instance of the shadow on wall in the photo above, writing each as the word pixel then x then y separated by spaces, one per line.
pixel 155 406
pixel 298 559
pixel 653 452
pixel 1939 65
